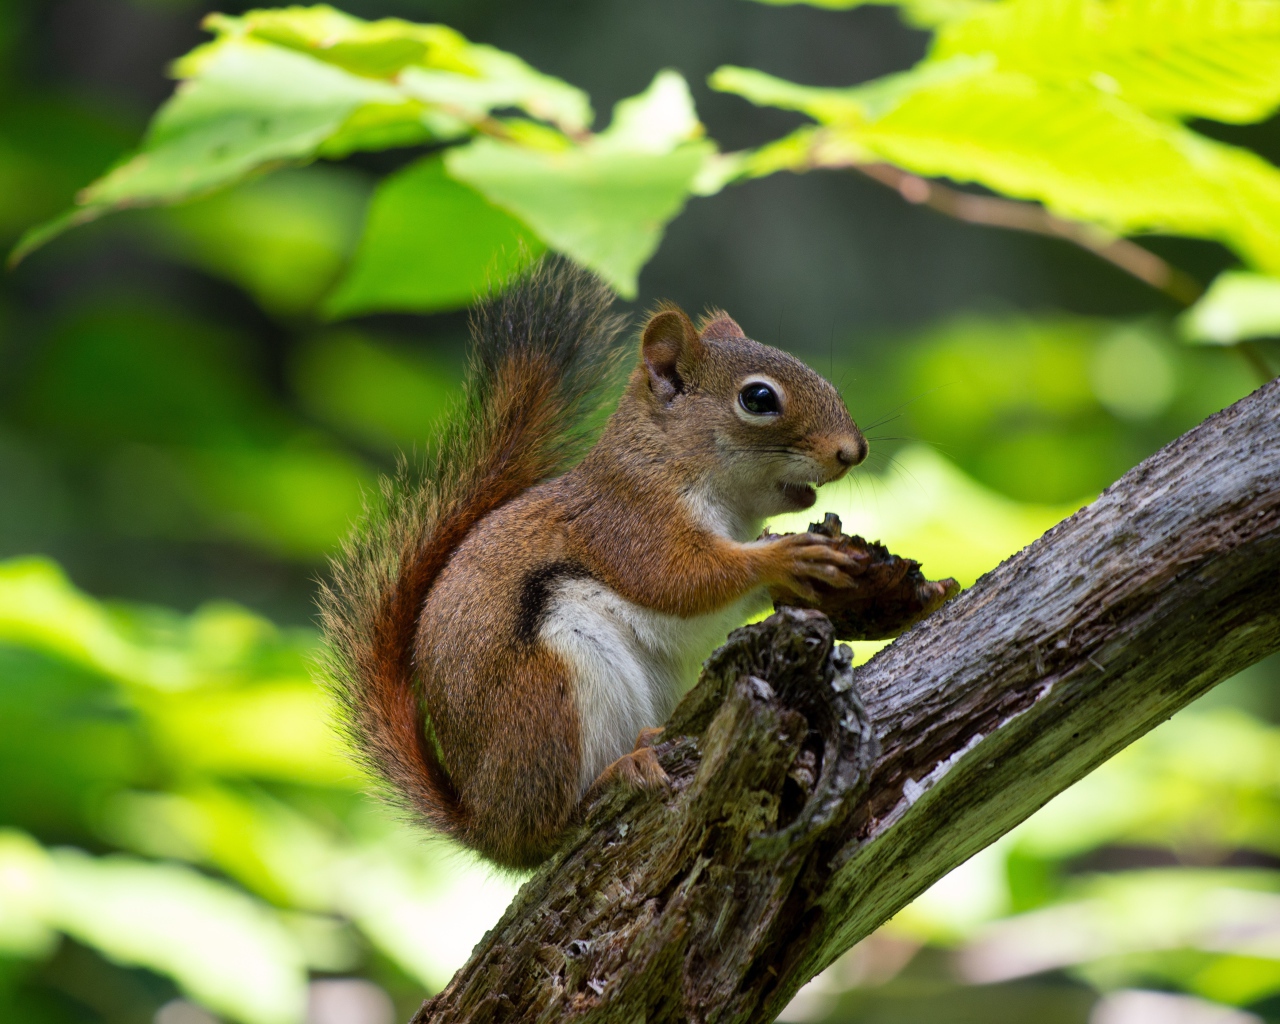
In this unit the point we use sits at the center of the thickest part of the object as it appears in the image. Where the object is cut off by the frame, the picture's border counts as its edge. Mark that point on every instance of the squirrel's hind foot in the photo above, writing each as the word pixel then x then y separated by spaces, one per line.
pixel 639 769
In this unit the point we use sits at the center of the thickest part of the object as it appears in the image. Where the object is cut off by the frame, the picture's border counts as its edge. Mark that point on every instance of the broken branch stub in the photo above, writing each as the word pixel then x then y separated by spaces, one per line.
pixel 693 896
pixel 886 594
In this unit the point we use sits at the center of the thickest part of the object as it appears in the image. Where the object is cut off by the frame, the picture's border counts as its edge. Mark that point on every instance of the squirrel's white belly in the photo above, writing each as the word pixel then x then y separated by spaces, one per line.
pixel 630 664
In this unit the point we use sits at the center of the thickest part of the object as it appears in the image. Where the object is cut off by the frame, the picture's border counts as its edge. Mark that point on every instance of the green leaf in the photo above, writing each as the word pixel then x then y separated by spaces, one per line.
pixel 26 886
pixel 604 208
pixel 252 106
pixel 376 49
pixel 656 120
pixel 500 80
pixel 431 62
pixel 606 202
pixel 1203 58
pixel 283 238
pixel 221 946
pixel 285 86
pixel 430 243
pixel 1084 154
pixel 226 949
pixel 1238 306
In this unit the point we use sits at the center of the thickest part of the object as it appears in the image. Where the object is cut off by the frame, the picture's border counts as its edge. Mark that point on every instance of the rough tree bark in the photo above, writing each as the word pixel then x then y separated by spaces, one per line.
pixel 811 801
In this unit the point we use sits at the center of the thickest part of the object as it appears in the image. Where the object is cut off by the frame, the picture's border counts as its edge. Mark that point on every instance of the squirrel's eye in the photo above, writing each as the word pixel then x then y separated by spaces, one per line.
pixel 759 399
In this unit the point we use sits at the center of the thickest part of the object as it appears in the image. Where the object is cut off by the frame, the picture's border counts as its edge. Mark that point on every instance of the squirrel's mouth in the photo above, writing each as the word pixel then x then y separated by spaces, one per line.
pixel 799 496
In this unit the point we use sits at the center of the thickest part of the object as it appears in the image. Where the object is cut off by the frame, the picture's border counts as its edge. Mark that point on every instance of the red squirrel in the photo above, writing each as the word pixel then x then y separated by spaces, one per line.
pixel 511 628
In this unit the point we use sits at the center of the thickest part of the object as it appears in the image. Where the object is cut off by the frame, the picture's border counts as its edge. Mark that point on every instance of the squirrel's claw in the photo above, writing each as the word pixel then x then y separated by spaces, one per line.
pixel 639 769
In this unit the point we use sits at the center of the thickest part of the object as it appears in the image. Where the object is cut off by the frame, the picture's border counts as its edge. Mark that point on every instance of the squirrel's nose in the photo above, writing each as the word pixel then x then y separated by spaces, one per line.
pixel 852 451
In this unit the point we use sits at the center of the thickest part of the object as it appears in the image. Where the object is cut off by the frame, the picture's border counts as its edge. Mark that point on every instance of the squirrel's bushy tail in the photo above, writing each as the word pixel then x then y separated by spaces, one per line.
pixel 541 353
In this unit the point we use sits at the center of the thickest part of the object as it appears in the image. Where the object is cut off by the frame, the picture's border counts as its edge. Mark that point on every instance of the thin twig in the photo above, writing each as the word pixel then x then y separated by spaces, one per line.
pixel 992 211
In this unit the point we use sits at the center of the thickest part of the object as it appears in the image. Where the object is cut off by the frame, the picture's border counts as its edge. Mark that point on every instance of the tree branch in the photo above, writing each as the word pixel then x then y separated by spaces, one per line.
pixel 801 815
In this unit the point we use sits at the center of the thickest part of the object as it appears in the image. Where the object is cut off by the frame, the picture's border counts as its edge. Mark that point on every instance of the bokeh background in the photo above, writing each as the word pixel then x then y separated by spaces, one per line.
pixel 184 437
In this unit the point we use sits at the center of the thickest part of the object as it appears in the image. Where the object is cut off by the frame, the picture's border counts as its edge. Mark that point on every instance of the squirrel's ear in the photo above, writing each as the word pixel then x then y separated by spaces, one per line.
pixel 720 326
pixel 670 344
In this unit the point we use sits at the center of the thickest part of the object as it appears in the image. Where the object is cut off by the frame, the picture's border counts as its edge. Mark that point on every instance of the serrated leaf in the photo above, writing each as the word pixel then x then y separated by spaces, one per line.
pixel 1203 58
pixel 1084 154
pixel 1238 306
pixel 430 243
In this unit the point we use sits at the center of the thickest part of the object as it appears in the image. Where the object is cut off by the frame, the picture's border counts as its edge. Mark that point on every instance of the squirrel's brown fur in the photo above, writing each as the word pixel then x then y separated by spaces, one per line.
pixel 549 621
pixel 539 359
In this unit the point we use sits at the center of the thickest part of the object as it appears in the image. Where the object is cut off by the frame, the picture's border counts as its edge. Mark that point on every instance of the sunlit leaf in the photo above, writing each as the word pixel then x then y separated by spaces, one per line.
pixel 1204 58
pixel 432 62
pixel 606 202
pixel 1238 305
pixel 657 120
pixel 226 950
pixel 285 86
pixel 374 49
pixel 252 105
pixel 604 208
pixel 26 896
pixel 966 119
pixel 430 243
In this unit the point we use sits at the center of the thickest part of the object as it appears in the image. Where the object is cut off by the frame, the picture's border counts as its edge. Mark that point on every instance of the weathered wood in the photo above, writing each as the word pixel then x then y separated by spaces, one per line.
pixel 793 829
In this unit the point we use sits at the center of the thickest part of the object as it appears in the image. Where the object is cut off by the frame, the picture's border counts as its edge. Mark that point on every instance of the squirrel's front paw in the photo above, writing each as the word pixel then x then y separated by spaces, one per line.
pixel 803 557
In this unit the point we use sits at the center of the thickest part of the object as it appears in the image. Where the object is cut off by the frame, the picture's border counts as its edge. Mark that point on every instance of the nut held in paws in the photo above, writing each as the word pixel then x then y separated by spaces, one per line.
pixel 889 594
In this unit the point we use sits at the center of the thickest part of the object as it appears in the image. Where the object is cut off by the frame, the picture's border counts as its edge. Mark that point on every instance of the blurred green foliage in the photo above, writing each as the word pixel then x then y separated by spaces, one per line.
pixel 1052 408
pixel 179 826
pixel 136 740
